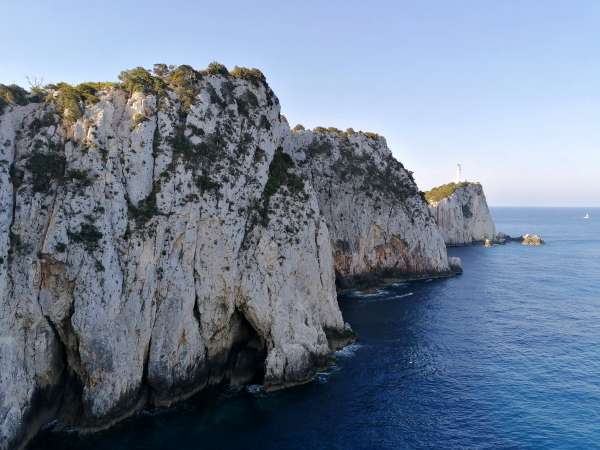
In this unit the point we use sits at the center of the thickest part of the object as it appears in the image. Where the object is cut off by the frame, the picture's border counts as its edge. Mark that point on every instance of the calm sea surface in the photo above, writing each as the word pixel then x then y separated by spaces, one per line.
pixel 505 356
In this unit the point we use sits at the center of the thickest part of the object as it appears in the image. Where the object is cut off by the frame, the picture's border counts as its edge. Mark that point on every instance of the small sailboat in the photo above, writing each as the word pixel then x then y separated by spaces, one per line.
pixel 587 216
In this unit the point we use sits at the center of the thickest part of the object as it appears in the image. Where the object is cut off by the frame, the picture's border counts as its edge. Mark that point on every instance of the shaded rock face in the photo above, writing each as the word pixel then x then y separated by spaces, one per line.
pixel 154 246
pixel 464 217
pixel 378 223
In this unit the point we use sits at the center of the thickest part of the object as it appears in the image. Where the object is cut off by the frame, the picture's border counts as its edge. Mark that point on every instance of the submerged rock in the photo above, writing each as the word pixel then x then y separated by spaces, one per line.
pixel 462 213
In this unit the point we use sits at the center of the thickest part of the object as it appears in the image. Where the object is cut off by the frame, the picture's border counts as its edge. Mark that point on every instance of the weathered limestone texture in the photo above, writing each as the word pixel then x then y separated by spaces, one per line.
pixel 378 222
pixel 463 216
pixel 155 238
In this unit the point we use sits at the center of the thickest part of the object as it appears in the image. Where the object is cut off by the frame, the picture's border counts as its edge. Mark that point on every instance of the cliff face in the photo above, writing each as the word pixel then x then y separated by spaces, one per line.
pixel 154 239
pixel 462 213
pixel 171 232
pixel 378 223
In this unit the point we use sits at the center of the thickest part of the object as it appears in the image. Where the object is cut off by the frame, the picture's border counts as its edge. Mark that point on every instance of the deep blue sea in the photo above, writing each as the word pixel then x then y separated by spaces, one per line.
pixel 505 356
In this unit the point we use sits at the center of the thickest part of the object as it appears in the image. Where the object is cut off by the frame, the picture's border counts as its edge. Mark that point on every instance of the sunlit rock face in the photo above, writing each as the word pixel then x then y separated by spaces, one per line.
pixel 463 216
pixel 378 222
pixel 156 237
pixel 171 232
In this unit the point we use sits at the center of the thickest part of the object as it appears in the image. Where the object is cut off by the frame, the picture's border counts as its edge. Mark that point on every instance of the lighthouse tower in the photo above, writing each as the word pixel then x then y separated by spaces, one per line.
pixel 459 177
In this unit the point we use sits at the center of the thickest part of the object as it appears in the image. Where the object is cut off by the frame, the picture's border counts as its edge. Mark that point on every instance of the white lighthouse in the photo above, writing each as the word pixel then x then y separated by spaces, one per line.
pixel 459 177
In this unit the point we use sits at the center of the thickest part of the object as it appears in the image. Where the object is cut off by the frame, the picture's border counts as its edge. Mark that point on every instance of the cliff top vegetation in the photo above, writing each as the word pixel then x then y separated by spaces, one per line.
pixel 70 99
pixel 444 191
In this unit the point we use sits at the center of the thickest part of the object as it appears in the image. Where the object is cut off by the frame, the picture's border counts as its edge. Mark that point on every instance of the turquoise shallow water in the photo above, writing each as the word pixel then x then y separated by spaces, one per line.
pixel 505 356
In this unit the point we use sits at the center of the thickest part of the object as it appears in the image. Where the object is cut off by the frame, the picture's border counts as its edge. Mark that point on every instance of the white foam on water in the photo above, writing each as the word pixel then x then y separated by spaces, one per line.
pixel 348 351
pixel 386 297
pixel 323 376
pixel 368 294
pixel 254 389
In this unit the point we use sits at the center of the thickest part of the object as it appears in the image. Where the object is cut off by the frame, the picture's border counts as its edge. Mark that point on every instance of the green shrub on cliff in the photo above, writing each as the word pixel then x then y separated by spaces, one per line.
pixel 205 183
pixel 184 81
pixel 80 178
pixel 71 100
pixel 88 235
pixel 280 175
pixel 340 133
pixel 161 70
pixel 45 168
pixel 12 94
pixel 245 102
pixel 89 91
pixel 372 135
pixel 216 68
pixel 255 76
pixel 68 100
pixel 138 118
pixel 444 191
pixel 140 80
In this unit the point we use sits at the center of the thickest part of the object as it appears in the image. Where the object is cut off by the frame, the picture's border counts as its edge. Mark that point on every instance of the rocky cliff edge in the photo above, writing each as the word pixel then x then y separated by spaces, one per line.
pixel 462 213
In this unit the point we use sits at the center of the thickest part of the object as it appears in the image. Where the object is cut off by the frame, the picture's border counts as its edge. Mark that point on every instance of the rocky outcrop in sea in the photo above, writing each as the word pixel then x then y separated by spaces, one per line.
pixel 462 213
pixel 533 240
pixel 170 232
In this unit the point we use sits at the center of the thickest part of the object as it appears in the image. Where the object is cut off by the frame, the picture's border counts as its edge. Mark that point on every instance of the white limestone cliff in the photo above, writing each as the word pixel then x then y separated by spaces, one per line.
pixel 153 243
pixel 378 222
pixel 171 232
pixel 462 213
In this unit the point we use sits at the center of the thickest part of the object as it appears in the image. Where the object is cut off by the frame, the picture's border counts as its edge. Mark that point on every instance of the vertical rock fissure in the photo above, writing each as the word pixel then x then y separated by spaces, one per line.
pixel 247 357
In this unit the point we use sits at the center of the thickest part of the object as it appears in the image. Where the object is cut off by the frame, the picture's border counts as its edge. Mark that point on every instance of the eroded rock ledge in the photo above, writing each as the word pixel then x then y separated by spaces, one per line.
pixel 170 232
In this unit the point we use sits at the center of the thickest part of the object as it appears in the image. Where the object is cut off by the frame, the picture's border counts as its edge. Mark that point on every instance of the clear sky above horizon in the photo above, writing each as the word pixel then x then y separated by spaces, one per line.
pixel 510 89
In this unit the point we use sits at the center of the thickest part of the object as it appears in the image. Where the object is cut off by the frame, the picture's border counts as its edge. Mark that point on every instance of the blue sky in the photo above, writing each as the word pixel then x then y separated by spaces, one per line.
pixel 510 89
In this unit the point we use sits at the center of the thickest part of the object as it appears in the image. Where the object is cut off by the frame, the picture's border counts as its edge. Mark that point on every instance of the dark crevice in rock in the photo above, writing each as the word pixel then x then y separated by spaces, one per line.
pixel 45 401
pixel 243 363
pixel 69 408
pixel 246 359
pixel 145 385
pixel 42 408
